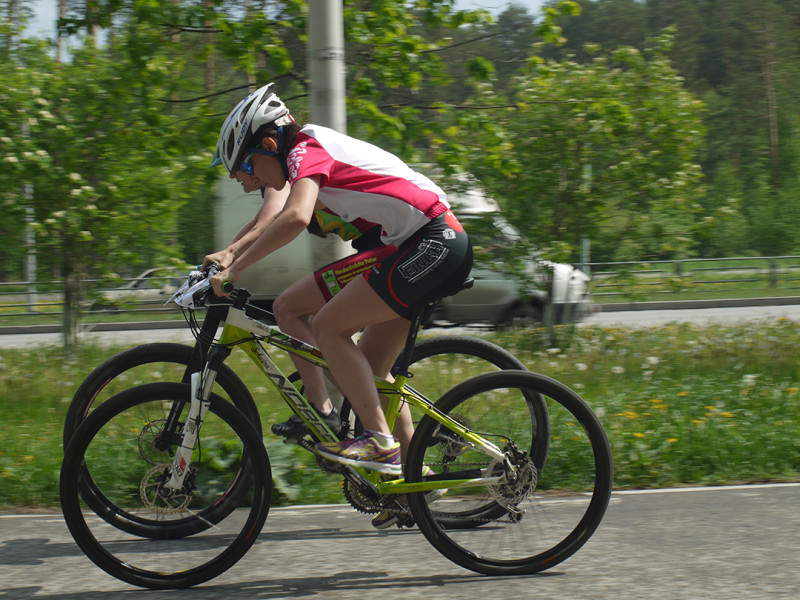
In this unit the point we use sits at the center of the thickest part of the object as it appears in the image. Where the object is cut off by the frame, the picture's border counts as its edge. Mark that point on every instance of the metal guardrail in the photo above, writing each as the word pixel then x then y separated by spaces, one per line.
pixel 686 279
pixel 611 282
pixel 25 298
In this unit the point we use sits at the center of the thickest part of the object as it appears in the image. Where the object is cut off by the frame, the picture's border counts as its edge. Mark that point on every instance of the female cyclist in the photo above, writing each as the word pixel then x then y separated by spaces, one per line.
pixel 423 253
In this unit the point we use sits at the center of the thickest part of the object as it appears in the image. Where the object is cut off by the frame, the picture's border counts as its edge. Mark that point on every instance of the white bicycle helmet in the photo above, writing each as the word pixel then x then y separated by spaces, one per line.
pixel 260 108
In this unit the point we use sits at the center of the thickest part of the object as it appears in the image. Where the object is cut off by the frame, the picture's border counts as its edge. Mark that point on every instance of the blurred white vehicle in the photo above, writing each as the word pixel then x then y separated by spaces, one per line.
pixel 499 300
pixel 153 286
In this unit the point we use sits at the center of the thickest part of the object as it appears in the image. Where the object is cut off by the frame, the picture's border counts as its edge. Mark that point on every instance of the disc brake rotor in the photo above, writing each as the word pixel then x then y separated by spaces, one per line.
pixel 151 495
pixel 147 443
pixel 512 488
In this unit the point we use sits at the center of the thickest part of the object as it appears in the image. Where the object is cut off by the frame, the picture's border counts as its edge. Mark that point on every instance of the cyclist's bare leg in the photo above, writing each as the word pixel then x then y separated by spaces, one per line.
pixel 350 311
pixel 292 310
pixel 381 344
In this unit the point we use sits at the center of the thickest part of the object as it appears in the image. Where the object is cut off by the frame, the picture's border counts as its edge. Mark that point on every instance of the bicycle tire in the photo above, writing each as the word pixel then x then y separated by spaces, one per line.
pixel 86 397
pixel 563 503
pixel 155 562
pixel 467 348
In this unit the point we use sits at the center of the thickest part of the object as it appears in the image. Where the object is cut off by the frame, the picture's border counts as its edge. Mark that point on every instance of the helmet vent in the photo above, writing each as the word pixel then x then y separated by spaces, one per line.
pixel 229 145
pixel 246 110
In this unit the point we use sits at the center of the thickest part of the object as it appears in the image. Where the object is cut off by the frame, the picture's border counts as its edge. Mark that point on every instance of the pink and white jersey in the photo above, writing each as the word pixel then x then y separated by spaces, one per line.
pixel 359 180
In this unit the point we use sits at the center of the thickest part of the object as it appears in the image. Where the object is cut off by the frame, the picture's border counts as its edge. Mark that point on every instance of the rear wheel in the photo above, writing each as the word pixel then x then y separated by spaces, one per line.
pixel 438 364
pixel 548 508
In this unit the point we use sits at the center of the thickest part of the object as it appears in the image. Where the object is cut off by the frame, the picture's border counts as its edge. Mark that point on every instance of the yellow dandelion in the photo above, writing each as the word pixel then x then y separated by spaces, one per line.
pixel 672 440
pixel 683 394
pixel 638 435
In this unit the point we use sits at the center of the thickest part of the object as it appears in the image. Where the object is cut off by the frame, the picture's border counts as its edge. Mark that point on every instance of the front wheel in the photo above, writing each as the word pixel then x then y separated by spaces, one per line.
pixel 148 362
pixel 549 509
pixel 122 447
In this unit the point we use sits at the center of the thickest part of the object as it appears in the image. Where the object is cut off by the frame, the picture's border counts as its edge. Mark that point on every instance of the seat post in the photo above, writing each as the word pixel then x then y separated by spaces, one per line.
pixel 418 317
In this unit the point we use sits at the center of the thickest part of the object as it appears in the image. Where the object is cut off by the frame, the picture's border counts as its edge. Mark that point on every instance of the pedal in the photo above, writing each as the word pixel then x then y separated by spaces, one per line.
pixel 406 521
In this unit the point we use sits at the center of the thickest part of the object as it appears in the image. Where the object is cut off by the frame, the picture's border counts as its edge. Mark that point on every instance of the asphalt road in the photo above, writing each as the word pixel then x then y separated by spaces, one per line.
pixel 700 316
pixel 730 543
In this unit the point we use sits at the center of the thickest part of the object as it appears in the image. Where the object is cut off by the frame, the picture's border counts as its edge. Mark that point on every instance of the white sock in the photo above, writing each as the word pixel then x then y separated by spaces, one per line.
pixel 384 440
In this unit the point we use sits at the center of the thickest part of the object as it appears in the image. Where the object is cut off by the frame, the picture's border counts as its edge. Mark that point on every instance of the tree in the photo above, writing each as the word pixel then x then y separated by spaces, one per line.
pixel 106 182
pixel 741 58
pixel 604 150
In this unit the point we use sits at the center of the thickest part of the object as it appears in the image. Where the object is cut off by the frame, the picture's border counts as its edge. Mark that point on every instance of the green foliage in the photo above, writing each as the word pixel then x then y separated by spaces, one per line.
pixel 578 121
pixel 604 149
pixel 741 58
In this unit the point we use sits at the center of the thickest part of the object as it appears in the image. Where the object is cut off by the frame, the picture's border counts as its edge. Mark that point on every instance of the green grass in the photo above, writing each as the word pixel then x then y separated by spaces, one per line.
pixel 682 405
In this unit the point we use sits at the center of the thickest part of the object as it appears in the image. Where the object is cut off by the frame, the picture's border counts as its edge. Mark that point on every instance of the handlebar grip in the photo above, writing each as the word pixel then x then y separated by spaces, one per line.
pixel 227 287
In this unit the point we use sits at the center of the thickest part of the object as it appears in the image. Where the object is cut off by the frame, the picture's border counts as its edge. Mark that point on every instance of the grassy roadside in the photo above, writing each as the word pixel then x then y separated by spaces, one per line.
pixel 682 405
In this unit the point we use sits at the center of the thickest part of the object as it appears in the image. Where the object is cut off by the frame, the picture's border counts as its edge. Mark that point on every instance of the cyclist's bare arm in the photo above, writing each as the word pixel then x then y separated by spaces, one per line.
pixel 274 201
pixel 291 222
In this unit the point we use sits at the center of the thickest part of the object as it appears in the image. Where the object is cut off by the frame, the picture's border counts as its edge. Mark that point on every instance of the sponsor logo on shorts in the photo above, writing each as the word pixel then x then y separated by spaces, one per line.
pixel 429 255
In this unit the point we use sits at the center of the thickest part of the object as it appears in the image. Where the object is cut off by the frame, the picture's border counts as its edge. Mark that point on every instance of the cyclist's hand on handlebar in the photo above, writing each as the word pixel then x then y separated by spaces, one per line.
pixel 222 259
pixel 226 276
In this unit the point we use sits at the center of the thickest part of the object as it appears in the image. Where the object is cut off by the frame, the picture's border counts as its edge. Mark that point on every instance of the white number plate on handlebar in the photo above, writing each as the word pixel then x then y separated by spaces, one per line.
pixel 185 295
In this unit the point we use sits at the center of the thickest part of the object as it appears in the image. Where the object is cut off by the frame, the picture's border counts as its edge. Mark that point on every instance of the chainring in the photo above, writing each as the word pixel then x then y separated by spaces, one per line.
pixel 359 500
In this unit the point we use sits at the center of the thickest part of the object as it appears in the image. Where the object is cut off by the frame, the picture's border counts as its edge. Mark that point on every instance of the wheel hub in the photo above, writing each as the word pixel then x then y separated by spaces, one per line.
pixel 153 494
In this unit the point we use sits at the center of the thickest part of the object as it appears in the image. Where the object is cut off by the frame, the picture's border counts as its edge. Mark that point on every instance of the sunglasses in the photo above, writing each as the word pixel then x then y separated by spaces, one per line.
pixel 247 163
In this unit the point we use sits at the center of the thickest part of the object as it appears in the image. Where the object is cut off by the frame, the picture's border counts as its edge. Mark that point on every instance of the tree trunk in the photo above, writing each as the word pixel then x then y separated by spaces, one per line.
pixel 210 58
pixel 62 10
pixel 768 60
pixel 69 323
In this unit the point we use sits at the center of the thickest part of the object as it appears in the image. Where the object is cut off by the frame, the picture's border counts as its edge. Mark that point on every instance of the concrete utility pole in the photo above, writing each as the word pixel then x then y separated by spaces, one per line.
pixel 326 62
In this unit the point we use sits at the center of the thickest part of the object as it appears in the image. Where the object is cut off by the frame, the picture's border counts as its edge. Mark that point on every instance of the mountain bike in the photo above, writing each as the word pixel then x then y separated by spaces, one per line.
pixel 451 357
pixel 524 490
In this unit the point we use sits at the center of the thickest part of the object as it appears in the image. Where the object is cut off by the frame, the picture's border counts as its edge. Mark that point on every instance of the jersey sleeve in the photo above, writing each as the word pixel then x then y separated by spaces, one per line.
pixel 309 158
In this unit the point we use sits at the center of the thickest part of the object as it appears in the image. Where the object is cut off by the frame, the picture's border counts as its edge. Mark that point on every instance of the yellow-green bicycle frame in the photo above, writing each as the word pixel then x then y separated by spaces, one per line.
pixel 251 334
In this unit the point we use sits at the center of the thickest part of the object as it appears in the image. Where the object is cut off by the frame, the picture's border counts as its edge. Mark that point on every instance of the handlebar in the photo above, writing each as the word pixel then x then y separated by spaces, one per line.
pixel 197 287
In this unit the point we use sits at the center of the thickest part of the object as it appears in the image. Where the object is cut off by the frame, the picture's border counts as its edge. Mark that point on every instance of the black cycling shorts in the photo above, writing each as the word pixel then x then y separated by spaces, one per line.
pixel 431 264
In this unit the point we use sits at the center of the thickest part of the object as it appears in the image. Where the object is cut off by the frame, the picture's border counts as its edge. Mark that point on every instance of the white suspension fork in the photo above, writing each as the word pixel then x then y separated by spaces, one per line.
pixel 201 400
